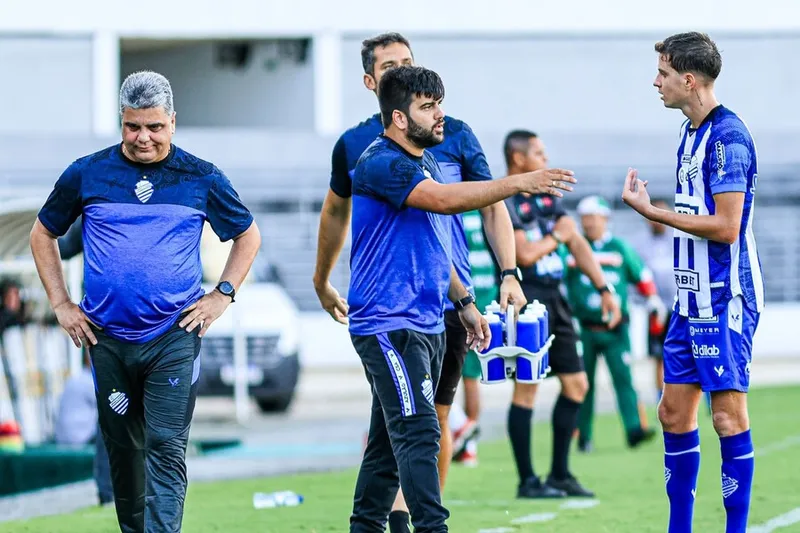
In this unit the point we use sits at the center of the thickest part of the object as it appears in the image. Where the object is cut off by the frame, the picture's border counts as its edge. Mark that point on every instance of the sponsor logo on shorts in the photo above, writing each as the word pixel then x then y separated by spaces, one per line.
pixel 697 330
pixel 667 474
pixel 118 402
pixel 427 389
pixel 719 370
pixel 705 350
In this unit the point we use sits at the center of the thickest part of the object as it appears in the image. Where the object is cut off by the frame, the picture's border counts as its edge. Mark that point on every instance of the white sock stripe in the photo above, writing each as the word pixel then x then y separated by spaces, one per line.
pixel 695 449
pixel 746 456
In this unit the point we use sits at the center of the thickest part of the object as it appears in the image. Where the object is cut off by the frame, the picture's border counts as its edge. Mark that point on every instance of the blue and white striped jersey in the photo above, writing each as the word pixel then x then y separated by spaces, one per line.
pixel 717 157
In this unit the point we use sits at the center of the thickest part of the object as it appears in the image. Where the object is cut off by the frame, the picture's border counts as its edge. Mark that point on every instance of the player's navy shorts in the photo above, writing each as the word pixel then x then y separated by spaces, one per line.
pixel 715 352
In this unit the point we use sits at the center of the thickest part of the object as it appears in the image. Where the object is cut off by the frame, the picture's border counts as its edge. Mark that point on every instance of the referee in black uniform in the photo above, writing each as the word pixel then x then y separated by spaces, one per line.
pixel 541 226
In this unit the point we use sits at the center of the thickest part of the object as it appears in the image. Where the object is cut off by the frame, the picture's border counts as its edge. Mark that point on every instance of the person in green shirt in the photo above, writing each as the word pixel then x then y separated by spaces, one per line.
pixel 484 283
pixel 622 267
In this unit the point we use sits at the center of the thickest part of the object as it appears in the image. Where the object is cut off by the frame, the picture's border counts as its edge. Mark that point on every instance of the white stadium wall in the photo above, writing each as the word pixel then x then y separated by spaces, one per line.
pixel 46 84
pixel 546 65
pixel 259 94
pixel 585 84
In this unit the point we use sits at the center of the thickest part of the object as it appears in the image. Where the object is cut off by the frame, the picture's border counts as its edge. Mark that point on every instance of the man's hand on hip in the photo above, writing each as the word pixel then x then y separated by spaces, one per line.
pixel 205 311
pixel 75 322
pixel 511 293
pixel 335 305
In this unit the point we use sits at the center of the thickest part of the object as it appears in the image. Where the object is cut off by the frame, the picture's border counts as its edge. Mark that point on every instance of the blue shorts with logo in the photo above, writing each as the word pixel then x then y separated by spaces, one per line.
pixel 713 352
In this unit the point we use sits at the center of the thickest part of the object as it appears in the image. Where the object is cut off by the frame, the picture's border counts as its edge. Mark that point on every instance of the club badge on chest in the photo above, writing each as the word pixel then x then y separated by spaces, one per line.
pixel 144 190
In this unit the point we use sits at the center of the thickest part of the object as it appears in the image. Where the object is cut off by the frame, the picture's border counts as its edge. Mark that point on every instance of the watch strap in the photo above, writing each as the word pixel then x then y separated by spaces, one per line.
pixel 464 302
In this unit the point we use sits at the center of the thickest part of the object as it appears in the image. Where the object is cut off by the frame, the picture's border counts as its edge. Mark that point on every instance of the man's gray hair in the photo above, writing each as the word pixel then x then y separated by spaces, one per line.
pixel 144 90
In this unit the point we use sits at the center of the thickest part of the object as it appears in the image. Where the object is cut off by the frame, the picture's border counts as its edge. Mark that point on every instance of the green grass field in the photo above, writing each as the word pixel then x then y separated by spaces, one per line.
pixel 629 485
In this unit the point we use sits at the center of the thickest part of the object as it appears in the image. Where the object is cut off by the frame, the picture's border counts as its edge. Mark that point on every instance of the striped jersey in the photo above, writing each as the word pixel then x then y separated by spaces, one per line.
pixel 717 157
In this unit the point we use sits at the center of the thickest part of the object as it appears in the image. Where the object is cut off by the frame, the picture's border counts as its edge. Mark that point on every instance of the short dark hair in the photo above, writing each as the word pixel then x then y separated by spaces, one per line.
pixel 516 141
pixel 368 47
pixel 692 52
pixel 399 86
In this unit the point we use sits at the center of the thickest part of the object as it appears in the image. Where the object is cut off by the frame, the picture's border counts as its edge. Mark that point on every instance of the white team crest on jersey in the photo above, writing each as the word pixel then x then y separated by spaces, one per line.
pixel 426 173
pixel 118 402
pixel 144 190
pixel 688 171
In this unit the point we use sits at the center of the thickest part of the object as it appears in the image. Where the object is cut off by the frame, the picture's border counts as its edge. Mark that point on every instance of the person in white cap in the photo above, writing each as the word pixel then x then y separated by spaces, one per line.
pixel 622 267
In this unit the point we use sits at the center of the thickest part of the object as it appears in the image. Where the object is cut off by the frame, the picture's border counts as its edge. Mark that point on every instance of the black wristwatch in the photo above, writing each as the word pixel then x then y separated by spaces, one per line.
pixel 606 288
pixel 516 272
pixel 226 288
pixel 463 302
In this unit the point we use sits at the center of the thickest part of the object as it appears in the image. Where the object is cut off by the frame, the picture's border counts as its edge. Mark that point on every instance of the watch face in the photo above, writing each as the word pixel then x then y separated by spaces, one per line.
pixel 226 287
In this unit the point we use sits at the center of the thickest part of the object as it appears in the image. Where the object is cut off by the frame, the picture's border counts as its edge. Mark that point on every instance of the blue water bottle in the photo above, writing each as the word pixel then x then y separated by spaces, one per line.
pixel 528 334
pixel 537 311
pixel 545 332
pixel 528 339
pixel 493 307
pixel 496 328
pixel 493 367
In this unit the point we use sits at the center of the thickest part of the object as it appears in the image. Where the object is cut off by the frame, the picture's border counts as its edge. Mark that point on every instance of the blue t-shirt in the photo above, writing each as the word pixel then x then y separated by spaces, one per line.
pixel 460 158
pixel 141 234
pixel 400 258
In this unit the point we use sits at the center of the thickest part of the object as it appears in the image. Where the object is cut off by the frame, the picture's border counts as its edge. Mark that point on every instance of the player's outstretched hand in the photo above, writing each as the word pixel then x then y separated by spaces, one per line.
pixel 335 305
pixel 75 322
pixel 204 312
pixel 547 181
pixel 478 334
pixel 634 193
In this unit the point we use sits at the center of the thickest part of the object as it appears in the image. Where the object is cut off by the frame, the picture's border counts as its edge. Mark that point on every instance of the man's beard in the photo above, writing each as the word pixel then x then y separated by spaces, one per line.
pixel 421 137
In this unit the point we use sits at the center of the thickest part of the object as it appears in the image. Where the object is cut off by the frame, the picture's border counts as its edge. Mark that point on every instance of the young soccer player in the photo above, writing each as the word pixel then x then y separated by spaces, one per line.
pixel 718 275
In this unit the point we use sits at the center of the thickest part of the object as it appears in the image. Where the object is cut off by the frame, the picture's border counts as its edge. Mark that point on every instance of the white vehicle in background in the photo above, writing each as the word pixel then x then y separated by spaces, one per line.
pixel 267 320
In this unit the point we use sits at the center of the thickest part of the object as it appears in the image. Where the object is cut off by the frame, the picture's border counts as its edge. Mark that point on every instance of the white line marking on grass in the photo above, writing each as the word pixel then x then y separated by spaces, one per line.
pixel 779 522
pixel 785 444
pixel 531 518
pixel 580 504
pixel 498 530
pixel 491 503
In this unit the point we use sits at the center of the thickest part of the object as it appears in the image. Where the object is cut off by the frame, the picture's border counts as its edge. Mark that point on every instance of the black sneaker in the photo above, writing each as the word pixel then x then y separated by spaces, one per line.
pixel 637 437
pixel 534 489
pixel 570 486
